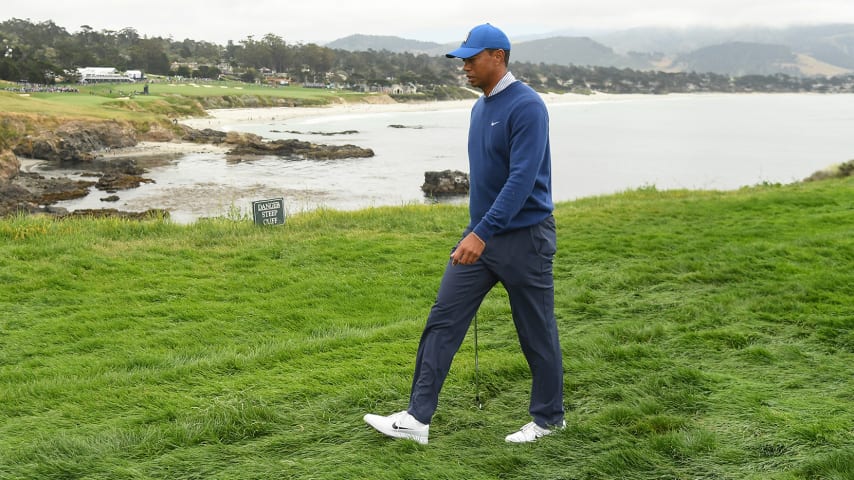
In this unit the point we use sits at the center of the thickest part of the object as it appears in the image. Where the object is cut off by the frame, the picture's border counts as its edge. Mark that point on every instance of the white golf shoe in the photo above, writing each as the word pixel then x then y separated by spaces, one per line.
pixel 531 432
pixel 400 425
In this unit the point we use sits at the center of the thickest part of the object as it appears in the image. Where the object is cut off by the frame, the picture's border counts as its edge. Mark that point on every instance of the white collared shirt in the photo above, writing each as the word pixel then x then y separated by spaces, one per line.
pixel 505 82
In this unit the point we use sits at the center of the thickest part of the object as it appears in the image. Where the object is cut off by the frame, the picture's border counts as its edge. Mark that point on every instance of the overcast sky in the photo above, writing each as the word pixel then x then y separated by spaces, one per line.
pixel 322 21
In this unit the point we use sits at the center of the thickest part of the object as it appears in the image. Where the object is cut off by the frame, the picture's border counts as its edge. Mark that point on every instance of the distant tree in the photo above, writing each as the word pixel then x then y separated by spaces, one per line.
pixel 149 55
pixel 206 71
pixel 202 52
pixel 280 53
pixel 126 38
pixel 9 59
pixel 186 49
pixel 249 76
pixel 253 54
pixel 231 52
pixel 38 52
pixel 183 71
pixel 208 52
pixel 319 59
pixel 98 49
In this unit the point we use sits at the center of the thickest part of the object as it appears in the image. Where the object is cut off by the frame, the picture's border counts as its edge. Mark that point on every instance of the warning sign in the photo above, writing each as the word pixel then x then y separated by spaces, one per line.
pixel 269 212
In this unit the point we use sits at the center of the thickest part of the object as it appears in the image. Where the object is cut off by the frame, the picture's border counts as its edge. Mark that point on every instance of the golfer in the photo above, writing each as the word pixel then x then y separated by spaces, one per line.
pixel 510 239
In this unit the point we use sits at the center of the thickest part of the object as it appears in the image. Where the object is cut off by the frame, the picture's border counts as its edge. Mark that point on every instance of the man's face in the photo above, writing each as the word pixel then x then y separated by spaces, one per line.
pixel 485 69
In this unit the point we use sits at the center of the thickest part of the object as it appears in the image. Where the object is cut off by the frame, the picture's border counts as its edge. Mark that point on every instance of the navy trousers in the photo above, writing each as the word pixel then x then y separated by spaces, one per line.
pixel 521 260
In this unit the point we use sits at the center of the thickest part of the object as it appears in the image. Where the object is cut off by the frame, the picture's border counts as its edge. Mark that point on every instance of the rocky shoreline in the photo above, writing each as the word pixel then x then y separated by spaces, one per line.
pixel 96 148
pixel 32 193
pixel 102 146
pixel 241 144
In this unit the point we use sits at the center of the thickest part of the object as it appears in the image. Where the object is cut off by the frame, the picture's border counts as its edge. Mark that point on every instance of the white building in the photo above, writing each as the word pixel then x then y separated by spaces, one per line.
pixel 101 75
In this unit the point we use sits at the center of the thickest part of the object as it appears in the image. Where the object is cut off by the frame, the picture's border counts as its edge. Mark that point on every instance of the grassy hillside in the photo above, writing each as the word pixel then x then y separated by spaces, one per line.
pixel 32 112
pixel 149 115
pixel 705 335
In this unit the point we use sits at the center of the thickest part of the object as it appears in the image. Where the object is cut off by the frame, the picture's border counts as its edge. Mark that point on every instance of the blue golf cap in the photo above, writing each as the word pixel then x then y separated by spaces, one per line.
pixel 480 38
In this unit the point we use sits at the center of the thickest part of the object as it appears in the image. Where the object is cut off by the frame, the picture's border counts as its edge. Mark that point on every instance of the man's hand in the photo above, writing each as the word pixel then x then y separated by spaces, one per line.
pixel 468 251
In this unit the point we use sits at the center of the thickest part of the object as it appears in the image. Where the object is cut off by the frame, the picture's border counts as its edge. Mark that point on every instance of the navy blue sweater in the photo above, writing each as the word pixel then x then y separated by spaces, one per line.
pixel 509 162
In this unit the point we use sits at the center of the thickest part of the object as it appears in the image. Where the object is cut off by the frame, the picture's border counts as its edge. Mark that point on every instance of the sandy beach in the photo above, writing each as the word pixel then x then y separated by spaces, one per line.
pixel 220 118
pixel 162 148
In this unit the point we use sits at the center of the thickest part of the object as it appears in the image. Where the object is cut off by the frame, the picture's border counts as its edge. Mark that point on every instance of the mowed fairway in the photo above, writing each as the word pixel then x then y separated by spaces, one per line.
pixel 706 335
pixel 127 102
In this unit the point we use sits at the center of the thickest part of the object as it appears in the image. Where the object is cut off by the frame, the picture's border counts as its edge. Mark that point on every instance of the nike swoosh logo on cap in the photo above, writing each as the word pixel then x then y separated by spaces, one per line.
pixel 495 123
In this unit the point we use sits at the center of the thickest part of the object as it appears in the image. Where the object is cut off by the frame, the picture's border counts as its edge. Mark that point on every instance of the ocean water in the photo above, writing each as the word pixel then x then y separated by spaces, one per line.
pixel 709 141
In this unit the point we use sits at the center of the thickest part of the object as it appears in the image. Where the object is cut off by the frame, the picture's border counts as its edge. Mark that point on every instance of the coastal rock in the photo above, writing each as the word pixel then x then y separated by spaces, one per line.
pixel 296 148
pixel 445 183
pixel 121 175
pixel 80 140
pixel 14 198
pixel 251 144
pixel 27 192
pixel 159 133
pixel 242 138
pixel 9 165
pixel 216 137
pixel 87 141
pixel 114 181
pixel 33 194
pixel 206 135
pixel 45 191
pixel 837 171
pixel 76 141
pixel 30 192
pixel 315 132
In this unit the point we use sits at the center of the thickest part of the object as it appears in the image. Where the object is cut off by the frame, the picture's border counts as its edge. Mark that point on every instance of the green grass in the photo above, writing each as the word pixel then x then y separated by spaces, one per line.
pixel 72 105
pixel 34 113
pixel 124 102
pixel 191 88
pixel 706 335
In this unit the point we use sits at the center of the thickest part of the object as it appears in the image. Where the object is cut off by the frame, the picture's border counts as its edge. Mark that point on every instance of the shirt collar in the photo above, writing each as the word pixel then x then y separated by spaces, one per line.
pixel 505 82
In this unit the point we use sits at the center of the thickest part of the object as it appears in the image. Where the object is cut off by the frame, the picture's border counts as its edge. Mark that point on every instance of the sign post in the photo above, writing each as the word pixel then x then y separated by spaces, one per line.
pixel 269 212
